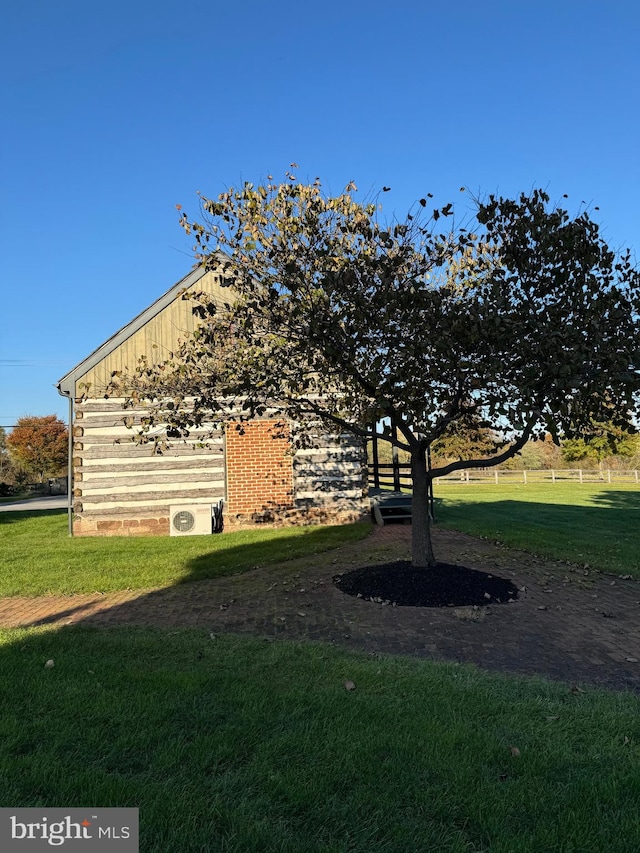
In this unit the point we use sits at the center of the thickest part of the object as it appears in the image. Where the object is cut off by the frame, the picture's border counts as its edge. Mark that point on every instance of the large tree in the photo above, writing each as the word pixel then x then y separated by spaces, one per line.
pixel 521 318
pixel 39 445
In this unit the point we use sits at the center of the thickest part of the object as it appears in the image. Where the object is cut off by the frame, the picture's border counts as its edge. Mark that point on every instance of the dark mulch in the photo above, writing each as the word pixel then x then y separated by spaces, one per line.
pixel 444 585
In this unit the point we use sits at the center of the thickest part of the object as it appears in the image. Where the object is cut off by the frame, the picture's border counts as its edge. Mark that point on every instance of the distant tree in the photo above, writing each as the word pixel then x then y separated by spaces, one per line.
pixel 6 466
pixel 341 317
pixel 4 454
pixel 604 440
pixel 537 454
pixel 466 438
pixel 39 445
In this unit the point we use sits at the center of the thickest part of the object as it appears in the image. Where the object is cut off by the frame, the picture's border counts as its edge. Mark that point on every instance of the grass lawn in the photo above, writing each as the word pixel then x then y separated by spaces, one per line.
pixel 238 745
pixel 597 525
pixel 38 557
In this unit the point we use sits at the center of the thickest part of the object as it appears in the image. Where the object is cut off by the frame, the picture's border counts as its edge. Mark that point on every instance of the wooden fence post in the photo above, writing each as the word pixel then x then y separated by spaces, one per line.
pixel 374 455
pixel 395 460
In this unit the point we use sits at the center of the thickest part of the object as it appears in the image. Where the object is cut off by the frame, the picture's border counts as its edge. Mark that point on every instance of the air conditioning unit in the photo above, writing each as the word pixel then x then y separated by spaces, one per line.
pixel 190 519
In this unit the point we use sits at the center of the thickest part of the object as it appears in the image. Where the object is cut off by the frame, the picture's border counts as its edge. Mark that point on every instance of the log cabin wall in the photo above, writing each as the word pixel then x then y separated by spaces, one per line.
pixel 330 480
pixel 270 482
pixel 125 488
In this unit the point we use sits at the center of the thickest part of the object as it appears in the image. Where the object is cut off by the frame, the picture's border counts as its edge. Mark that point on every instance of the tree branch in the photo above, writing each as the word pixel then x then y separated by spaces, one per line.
pixel 509 453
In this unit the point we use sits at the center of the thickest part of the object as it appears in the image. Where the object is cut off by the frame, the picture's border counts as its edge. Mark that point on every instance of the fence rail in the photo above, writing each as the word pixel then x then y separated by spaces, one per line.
pixel 398 477
pixel 552 475
pixel 390 476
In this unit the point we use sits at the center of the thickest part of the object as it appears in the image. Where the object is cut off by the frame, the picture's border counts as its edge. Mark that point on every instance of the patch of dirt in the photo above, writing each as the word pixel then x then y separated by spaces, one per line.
pixel 445 585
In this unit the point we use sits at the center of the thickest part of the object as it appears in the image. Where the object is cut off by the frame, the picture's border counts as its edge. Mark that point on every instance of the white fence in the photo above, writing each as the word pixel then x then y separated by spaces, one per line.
pixel 558 475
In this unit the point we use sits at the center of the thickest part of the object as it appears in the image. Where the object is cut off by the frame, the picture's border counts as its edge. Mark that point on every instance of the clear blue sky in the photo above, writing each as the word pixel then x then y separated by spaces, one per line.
pixel 113 112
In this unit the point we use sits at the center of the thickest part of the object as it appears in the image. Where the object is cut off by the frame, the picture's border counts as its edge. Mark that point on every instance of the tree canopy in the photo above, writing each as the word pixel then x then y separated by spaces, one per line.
pixel 520 318
pixel 604 441
pixel 39 445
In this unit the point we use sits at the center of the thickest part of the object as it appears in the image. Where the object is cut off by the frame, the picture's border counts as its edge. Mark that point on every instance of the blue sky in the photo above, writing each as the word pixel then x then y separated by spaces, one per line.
pixel 113 112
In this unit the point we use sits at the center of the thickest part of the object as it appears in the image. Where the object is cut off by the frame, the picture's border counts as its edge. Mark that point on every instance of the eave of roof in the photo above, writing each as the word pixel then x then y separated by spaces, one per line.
pixel 67 385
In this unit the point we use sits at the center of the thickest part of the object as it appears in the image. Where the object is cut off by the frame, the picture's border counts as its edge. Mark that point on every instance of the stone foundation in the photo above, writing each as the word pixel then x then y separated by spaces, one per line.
pixel 121 527
pixel 296 518
pixel 270 517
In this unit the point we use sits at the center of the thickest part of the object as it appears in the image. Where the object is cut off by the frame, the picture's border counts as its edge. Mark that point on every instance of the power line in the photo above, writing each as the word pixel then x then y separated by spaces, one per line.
pixel 31 426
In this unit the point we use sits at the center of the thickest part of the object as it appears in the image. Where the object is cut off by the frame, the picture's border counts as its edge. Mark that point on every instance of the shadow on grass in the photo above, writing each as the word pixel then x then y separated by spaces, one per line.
pixel 241 590
pixel 612 499
pixel 235 582
pixel 255 555
pixel 604 534
pixel 12 516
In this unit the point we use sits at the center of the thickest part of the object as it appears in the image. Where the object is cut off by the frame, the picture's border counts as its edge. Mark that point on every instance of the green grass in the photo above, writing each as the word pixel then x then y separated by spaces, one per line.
pixel 38 557
pixel 590 524
pixel 239 745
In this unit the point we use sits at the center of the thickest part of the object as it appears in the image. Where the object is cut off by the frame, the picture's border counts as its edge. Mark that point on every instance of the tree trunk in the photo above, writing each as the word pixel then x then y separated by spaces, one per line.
pixel 421 547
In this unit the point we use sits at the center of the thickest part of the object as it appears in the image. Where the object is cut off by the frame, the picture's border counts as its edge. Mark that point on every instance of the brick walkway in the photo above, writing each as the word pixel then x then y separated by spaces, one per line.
pixel 568 624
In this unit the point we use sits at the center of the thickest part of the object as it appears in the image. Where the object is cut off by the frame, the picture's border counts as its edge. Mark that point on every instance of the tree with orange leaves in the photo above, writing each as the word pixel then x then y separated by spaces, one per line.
pixel 39 445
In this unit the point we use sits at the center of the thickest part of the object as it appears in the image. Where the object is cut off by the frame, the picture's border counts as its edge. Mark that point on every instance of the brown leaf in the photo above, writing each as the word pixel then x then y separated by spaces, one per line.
pixel 515 751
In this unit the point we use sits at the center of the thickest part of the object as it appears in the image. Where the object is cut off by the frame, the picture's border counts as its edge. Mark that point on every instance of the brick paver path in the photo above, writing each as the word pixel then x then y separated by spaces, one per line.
pixel 569 623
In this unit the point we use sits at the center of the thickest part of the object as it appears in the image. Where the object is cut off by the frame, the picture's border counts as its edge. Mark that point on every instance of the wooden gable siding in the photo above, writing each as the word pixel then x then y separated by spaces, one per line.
pixel 156 340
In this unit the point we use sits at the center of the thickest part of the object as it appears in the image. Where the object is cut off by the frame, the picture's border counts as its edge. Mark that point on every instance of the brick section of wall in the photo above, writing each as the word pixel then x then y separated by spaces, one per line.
pixel 259 472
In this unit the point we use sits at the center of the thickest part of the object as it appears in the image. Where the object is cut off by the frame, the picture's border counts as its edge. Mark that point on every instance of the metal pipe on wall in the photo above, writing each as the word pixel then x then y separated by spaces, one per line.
pixel 70 470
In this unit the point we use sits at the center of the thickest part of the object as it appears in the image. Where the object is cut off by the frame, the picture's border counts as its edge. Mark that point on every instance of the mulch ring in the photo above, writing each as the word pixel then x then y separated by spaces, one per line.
pixel 565 621
pixel 443 585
